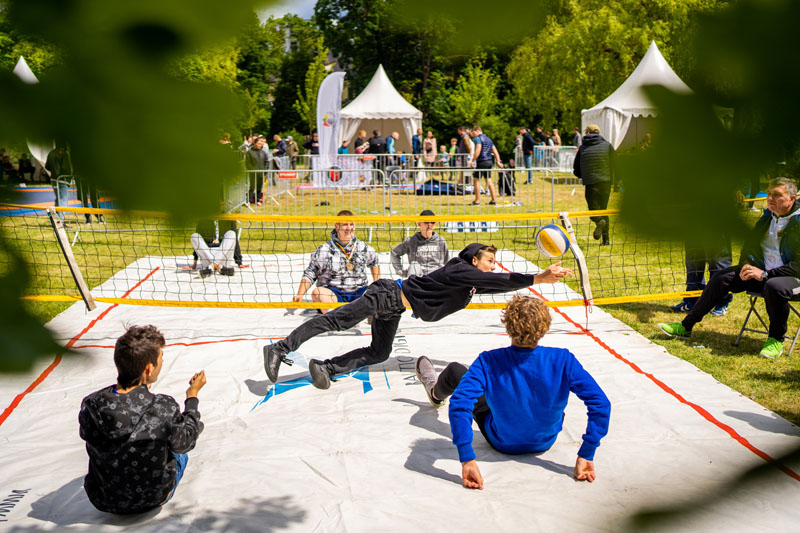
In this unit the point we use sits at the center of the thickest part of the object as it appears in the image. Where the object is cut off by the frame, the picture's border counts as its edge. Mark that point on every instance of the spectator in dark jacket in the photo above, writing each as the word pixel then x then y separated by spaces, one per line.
pixel 527 151
pixel 594 165
pixel 256 160
pixel 312 145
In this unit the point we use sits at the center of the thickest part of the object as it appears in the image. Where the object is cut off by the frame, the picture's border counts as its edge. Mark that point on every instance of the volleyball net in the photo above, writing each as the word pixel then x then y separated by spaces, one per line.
pixel 145 259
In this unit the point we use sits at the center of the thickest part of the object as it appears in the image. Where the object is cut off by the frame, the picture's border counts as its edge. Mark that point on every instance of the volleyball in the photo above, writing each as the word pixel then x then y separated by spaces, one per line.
pixel 552 241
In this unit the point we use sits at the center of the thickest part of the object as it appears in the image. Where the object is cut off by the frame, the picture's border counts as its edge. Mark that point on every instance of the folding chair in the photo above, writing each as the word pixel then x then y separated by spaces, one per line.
pixel 754 297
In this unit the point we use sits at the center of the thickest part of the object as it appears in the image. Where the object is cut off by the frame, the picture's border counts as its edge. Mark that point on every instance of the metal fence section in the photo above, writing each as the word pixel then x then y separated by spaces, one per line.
pixel 310 192
pixel 396 192
pixel 559 158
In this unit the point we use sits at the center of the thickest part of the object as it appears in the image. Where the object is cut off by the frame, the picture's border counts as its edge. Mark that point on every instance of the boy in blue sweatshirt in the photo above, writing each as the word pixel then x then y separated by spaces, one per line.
pixel 518 394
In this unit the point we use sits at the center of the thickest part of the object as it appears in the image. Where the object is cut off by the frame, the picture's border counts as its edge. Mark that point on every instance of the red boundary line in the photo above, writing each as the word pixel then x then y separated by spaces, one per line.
pixel 666 388
pixel 38 381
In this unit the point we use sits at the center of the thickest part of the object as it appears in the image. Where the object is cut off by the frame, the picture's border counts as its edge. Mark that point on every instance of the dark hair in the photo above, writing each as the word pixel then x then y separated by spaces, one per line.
pixel 491 249
pixel 344 213
pixel 137 347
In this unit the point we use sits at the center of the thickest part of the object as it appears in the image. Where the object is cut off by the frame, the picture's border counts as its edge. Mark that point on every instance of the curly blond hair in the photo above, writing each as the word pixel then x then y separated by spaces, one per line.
pixel 526 319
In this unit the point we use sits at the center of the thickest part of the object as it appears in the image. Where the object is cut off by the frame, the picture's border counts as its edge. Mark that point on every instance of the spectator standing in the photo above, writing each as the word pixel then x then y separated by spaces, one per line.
pixel 10 170
pixel 577 140
pixel 58 165
pixel 312 144
pixel 485 150
pixel 343 150
pixel 465 147
pixel 539 136
pixel 527 151
pixel 255 160
pixel 279 152
pixel 248 142
pixel 377 147
pixel 556 138
pixel 416 146
pixel 429 149
pixel 453 151
pixel 361 139
pixel 292 150
pixel 594 165
pixel 25 166
pixel 444 158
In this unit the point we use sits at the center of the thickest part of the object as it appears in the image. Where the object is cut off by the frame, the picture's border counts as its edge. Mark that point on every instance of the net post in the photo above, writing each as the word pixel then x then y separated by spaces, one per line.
pixel 583 270
pixel 66 249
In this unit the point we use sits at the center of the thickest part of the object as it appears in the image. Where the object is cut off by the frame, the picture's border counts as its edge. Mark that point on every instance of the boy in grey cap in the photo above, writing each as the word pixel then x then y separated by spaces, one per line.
pixel 426 250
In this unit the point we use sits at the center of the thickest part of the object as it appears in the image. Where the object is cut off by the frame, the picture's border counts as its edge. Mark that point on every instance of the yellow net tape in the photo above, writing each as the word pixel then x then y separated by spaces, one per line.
pixel 321 305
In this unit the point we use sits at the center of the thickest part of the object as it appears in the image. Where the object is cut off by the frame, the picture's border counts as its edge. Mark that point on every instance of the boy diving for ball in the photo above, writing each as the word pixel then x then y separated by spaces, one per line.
pixel 517 394
pixel 431 298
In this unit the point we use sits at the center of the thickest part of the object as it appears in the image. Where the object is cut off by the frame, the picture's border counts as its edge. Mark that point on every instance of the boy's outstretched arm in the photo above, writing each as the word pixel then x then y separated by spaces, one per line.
pixel 584 470
pixel 552 274
pixel 471 475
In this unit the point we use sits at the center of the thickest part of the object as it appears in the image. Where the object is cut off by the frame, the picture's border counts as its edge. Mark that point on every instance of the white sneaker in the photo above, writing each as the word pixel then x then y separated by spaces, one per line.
pixel 426 375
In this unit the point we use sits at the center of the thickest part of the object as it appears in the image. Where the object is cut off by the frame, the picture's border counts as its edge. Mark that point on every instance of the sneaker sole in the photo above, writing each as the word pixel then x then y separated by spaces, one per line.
pixel 672 335
pixel 319 377
pixel 765 356
pixel 272 376
pixel 419 378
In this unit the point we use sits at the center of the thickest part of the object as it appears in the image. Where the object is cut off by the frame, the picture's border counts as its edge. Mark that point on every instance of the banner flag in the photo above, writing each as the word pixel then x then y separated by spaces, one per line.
pixel 329 103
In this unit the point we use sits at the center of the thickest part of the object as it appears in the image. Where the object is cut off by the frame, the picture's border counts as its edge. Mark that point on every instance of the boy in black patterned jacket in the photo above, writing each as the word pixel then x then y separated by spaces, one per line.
pixel 137 441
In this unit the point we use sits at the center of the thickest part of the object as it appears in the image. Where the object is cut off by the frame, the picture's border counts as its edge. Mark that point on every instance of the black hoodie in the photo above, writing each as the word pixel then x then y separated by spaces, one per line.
pixel 450 288
pixel 129 438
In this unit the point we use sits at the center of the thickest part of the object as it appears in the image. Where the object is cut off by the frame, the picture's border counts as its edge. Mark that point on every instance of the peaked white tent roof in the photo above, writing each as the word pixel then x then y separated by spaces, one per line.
pixel 614 114
pixel 380 106
pixel 380 100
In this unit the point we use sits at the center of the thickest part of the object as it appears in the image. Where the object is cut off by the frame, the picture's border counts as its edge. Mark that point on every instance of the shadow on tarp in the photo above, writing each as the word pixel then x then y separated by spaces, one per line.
pixel 772 423
pixel 425 452
pixel 69 506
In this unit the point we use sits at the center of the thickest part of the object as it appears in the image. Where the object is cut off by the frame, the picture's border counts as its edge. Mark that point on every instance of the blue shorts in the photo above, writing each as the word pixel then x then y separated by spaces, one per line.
pixel 347 297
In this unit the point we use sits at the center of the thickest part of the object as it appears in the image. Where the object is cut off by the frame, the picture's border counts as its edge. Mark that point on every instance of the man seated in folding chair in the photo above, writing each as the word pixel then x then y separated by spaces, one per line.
pixel 769 265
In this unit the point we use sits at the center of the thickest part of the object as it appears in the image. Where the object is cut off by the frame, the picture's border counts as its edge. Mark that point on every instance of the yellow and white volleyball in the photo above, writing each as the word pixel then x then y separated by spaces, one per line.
pixel 552 241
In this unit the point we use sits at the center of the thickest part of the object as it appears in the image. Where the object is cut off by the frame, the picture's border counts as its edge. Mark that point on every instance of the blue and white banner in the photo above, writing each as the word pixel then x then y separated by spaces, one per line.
pixel 329 103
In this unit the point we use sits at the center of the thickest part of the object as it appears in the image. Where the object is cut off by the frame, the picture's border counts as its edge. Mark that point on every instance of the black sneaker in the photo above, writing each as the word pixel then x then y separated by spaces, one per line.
pixel 204 272
pixel 599 229
pixel 320 375
pixel 272 361
pixel 226 271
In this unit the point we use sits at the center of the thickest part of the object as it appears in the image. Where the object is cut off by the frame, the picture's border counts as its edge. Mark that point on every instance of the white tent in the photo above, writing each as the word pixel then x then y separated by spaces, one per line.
pixel 38 151
pixel 380 107
pixel 626 115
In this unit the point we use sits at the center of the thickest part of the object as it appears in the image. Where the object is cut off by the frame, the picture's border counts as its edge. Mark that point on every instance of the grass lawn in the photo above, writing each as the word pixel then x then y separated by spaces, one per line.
pixel 629 266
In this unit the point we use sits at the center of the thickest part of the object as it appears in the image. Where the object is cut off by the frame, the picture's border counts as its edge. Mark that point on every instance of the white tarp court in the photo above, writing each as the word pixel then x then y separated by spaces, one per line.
pixel 370 453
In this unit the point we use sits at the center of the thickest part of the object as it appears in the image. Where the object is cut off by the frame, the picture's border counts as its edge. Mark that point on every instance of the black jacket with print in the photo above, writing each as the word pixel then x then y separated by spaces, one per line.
pixel 129 438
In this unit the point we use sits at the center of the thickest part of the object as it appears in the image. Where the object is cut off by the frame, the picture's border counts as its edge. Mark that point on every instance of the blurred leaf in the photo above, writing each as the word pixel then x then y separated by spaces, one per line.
pixel 25 339
pixel 134 130
pixel 684 185
pixel 477 21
